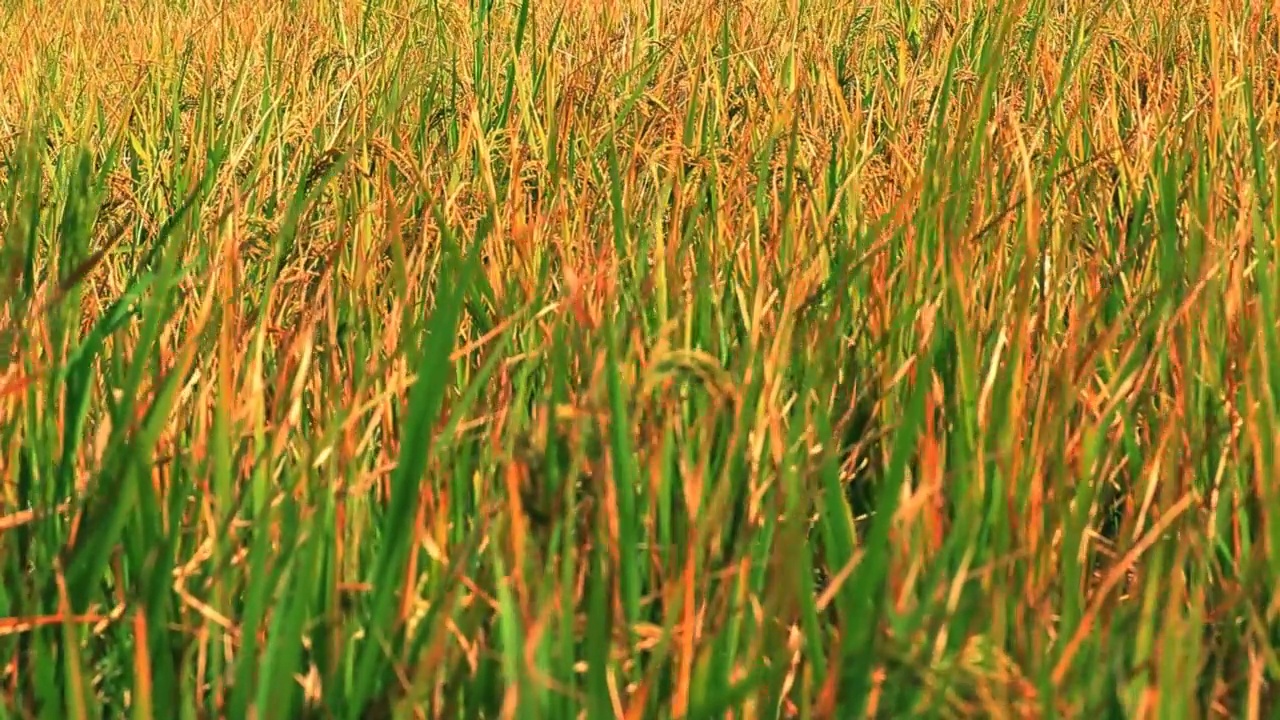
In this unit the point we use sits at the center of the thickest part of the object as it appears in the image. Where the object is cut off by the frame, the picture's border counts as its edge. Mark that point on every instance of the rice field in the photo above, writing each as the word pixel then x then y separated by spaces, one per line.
pixel 702 359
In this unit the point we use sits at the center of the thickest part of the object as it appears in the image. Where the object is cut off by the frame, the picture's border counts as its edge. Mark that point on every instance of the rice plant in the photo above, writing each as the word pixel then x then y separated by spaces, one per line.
pixel 764 359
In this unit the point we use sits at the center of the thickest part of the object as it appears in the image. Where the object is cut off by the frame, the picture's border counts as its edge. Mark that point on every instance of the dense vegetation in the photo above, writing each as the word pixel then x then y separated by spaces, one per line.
pixel 764 359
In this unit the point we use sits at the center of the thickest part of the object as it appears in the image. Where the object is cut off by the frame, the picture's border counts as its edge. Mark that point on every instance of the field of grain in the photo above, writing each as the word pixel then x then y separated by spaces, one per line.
pixel 639 359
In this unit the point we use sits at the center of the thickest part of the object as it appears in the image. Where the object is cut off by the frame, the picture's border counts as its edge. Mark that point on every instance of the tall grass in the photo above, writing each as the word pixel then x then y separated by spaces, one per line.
pixel 796 359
